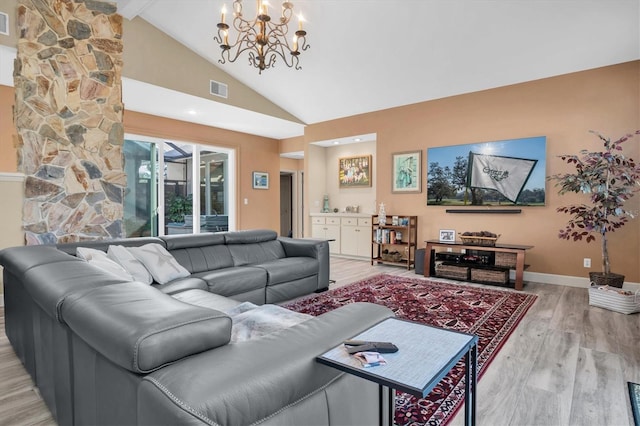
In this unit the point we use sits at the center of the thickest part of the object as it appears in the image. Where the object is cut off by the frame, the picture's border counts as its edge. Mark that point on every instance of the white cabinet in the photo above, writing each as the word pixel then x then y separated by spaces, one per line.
pixel 351 232
pixel 327 228
pixel 355 236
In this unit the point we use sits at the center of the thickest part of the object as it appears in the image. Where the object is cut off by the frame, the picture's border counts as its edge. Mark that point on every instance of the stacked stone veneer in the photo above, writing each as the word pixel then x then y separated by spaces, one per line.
pixel 68 115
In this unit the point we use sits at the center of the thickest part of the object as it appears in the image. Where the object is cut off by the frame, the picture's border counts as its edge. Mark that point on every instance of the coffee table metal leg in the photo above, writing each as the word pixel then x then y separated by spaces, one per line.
pixel 470 378
pixel 392 406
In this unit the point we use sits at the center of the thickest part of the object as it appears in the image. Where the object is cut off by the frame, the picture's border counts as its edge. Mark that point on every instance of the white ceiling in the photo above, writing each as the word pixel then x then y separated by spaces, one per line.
pixel 369 55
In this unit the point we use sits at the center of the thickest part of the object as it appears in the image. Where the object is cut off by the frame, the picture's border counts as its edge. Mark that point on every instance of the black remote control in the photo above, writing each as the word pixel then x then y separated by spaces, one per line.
pixel 380 347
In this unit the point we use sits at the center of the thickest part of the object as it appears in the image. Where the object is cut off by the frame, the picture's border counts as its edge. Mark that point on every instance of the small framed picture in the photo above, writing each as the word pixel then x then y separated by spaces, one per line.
pixel 406 167
pixel 260 180
pixel 447 235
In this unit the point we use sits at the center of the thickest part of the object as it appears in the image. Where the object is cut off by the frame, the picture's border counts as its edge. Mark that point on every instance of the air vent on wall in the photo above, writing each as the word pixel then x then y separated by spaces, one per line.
pixel 4 23
pixel 218 89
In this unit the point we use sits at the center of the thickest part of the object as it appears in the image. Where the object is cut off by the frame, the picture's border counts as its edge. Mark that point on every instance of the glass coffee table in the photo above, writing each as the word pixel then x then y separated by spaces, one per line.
pixel 426 354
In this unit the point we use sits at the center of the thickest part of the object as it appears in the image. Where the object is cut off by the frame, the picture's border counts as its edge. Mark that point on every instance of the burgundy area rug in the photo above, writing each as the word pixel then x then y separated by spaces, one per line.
pixel 489 313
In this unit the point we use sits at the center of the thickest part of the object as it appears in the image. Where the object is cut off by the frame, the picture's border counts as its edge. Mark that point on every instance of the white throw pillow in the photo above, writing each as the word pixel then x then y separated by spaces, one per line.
pixel 124 258
pixel 100 260
pixel 159 262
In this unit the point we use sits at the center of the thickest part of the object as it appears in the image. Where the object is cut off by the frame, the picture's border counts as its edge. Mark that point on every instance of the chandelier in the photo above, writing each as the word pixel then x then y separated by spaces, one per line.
pixel 263 38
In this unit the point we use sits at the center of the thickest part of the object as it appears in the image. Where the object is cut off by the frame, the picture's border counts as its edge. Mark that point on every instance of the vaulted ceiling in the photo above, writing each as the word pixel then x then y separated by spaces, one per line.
pixel 369 55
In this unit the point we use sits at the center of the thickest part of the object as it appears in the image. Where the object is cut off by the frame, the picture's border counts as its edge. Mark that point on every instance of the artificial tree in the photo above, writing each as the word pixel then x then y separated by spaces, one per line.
pixel 609 179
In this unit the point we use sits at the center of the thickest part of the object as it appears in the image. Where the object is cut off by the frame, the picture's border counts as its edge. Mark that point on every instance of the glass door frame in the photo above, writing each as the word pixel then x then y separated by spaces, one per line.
pixel 230 177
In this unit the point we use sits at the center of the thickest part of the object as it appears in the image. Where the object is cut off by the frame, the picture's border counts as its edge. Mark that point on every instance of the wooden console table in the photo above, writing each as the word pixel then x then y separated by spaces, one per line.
pixel 519 251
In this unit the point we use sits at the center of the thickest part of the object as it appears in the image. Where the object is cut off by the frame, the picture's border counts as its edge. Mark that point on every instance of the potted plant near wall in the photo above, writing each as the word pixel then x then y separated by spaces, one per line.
pixel 609 179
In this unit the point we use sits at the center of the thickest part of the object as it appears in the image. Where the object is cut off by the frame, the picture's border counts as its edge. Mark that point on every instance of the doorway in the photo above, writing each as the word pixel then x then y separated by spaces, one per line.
pixel 286 204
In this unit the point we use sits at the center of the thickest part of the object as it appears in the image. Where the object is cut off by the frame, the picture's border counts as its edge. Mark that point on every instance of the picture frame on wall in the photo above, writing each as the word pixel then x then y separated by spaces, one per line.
pixel 260 180
pixel 447 235
pixel 354 172
pixel 405 172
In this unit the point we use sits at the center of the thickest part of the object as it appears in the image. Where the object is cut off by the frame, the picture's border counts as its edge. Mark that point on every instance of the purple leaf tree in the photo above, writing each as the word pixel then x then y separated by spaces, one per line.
pixel 609 179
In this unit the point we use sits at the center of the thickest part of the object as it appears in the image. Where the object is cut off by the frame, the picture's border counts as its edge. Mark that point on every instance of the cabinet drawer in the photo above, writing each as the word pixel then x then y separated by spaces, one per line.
pixel 350 221
pixel 364 221
pixel 332 221
pixel 317 220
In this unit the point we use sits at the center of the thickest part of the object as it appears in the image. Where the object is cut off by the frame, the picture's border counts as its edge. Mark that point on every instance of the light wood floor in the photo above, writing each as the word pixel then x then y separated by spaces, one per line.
pixel 565 364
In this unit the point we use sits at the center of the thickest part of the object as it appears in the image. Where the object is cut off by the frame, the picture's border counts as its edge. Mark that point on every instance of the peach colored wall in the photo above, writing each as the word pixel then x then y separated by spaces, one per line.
pixel 8 135
pixel 291 164
pixel 254 153
pixel 292 144
pixel 562 108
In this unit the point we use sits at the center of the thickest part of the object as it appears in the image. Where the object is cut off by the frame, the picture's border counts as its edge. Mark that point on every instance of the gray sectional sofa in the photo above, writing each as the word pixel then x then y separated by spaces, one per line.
pixel 106 351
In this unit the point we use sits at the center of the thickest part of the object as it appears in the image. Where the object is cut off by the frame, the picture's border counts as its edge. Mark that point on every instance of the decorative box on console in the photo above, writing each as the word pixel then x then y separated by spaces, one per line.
pixel 490 275
pixel 447 270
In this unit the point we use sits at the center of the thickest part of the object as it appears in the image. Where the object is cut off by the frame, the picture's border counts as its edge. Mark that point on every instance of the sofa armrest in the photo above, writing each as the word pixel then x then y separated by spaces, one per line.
pixel 315 248
pixel 248 382
pixel 140 328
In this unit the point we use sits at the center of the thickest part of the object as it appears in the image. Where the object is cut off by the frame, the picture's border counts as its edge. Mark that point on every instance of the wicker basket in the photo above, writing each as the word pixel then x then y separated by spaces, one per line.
pixel 616 300
pixel 611 279
pixel 391 257
pixel 505 259
pixel 494 275
pixel 479 241
pixel 452 271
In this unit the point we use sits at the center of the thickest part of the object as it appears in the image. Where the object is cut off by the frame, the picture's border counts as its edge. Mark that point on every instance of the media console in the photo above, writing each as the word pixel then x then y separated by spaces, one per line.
pixel 517 250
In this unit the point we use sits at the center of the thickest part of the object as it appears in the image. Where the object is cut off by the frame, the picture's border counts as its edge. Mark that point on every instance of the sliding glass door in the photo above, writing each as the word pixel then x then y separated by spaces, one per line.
pixel 164 203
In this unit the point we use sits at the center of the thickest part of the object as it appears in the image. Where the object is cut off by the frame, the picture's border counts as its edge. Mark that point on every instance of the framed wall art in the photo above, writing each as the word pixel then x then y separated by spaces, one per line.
pixel 260 180
pixel 447 235
pixel 406 167
pixel 354 172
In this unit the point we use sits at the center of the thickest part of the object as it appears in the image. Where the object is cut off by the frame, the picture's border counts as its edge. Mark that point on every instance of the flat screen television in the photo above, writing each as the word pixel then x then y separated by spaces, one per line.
pixel 500 173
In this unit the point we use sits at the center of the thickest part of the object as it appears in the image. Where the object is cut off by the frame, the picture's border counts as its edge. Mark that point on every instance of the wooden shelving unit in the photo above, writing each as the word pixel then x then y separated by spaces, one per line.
pixel 385 240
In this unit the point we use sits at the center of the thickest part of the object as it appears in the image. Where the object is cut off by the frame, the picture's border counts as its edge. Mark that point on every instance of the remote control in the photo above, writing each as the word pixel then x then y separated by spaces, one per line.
pixel 380 347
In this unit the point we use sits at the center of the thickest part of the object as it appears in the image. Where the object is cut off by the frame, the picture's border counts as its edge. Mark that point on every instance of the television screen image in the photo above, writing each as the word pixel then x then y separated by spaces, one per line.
pixel 500 173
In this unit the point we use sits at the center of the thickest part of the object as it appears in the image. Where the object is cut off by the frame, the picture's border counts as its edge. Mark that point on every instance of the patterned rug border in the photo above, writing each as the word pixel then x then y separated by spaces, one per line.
pixel 452 402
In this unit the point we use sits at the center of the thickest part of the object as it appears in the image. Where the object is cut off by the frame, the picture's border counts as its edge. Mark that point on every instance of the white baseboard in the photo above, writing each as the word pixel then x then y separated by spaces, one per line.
pixel 568 280
pixel 11 177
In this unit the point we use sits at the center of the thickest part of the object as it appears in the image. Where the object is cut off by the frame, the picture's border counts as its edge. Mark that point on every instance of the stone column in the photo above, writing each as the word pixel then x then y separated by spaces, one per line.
pixel 68 115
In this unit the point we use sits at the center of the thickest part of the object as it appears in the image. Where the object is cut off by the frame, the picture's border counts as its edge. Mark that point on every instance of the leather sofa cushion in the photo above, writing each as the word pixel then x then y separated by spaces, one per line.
pixel 203 258
pixel 207 300
pixel 237 280
pixel 18 260
pixel 251 254
pixel 251 236
pixel 140 328
pixel 182 284
pixel 175 242
pixel 51 283
pixel 289 269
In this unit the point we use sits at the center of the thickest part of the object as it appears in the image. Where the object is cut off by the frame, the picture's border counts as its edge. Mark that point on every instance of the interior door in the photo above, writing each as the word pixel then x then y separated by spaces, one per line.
pixel 286 204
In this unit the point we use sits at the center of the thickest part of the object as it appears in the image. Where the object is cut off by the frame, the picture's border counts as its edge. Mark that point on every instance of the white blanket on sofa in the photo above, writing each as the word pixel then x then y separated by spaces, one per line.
pixel 251 321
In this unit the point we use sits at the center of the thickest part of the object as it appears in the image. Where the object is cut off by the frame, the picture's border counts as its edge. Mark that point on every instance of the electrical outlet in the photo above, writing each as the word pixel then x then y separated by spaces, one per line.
pixel 586 262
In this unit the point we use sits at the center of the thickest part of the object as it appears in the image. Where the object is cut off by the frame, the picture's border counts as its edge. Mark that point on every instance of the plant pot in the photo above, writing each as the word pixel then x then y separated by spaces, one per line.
pixel 611 279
